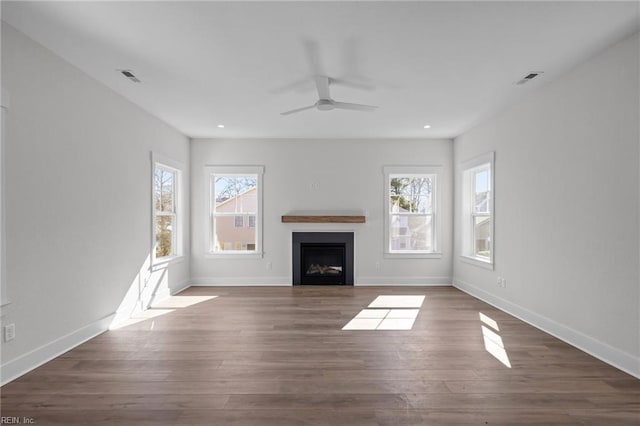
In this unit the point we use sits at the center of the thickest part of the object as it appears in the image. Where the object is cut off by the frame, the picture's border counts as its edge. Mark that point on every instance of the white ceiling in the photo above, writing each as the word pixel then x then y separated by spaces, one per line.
pixel 447 64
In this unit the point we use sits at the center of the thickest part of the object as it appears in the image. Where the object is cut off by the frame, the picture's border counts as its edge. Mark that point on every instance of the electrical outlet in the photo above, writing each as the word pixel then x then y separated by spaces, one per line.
pixel 499 283
pixel 9 332
pixel 269 266
pixel 377 265
pixel 504 283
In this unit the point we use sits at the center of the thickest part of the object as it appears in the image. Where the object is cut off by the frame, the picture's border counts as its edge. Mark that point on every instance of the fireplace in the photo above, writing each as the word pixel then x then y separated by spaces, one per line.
pixel 323 258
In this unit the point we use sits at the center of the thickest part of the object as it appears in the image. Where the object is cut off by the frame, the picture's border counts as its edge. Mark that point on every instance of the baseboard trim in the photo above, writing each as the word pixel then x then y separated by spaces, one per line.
pixel 23 364
pixel 286 281
pixel 180 287
pixel 167 292
pixel 615 357
pixel 403 281
pixel 241 281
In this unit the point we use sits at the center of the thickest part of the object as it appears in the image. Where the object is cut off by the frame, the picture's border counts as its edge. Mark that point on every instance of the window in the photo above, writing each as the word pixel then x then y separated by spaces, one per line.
pixel 165 211
pixel 235 210
pixel 477 206
pixel 4 107
pixel 411 211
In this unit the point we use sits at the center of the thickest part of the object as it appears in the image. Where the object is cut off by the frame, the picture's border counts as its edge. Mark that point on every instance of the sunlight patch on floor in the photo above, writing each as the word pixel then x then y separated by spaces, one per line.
pixel 181 301
pixel 159 308
pixel 143 316
pixel 487 320
pixel 401 316
pixel 493 342
pixel 397 301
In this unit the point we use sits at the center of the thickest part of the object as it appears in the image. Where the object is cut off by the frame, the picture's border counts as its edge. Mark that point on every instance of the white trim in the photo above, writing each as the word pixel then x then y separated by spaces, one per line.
pixel 231 170
pixel 21 365
pixel 410 255
pixel 5 99
pixel 477 262
pixel 4 291
pixel 487 157
pixel 180 202
pixel 169 260
pixel 167 292
pixel 464 172
pixel 435 170
pixel 234 254
pixel 615 357
pixel 241 281
pixel 403 281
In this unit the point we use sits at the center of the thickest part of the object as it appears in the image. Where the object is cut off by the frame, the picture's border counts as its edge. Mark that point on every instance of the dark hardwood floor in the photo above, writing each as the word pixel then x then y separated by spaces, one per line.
pixel 279 356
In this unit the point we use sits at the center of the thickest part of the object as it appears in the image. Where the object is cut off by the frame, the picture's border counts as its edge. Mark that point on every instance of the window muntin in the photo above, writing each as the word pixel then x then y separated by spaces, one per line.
pixel 235 205
pixel 411 213
pixel 477 208
pixel 481 229
pixel 411 209
pixel 165 211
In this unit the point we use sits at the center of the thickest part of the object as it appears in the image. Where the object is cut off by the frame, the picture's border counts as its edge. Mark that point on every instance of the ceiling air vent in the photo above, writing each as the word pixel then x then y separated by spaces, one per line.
pixel 130 75
pixel 527 78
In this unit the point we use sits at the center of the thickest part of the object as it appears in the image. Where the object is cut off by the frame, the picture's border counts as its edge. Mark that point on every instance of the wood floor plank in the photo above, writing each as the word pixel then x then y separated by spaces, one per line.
pixel 278 356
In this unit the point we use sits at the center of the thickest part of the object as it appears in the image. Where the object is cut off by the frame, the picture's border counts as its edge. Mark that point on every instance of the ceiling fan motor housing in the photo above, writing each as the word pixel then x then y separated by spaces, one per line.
pixel 325 104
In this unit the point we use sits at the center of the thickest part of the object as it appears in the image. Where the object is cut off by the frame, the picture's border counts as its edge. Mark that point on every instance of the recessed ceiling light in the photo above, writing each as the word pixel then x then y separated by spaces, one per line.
pixel 221 126
pixel 427 126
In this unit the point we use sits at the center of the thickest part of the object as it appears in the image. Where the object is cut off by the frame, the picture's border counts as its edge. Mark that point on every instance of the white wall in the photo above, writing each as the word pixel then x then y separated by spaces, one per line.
pixel 349 174
pixel 567 222
pixel 78 197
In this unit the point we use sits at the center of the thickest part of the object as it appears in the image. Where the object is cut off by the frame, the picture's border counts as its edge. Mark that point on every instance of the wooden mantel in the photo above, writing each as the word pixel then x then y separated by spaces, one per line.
pixel 323 219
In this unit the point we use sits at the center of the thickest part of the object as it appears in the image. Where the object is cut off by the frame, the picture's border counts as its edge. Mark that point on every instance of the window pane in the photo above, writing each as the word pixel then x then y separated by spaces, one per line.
pixel 411 194
pixel 235 194
pixel 230 237
pixel 482 236
pixel 164 190
pixel 482 196
pixel 409 232
pixel 238 221
pixel 165 228
pixel 252 221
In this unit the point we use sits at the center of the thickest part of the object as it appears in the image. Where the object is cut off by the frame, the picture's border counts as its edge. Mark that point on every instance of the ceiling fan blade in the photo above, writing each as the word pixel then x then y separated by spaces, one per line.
pixel 355 107
pixel 293 111
pixel 322 83
pixel 353 84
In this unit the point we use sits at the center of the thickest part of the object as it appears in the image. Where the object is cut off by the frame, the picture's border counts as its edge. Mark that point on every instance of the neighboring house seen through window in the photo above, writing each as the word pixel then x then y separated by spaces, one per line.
pixel 236 205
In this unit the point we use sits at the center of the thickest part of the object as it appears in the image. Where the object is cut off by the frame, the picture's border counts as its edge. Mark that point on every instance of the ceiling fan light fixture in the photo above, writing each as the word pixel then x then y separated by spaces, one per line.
pixel 220 126
pixel 427 126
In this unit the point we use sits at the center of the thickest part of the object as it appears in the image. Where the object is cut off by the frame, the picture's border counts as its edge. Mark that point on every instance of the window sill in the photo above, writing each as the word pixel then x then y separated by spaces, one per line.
pixel 477 262
pixel 234 255
pixel 168 260
pixel 409 255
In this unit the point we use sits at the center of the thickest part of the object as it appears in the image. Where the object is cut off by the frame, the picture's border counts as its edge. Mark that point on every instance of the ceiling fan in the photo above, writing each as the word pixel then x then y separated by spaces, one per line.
pixel 325 103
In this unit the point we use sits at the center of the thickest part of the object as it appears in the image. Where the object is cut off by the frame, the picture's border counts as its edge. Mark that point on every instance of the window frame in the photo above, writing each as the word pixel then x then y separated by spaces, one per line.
pixel 162 162
pixel 210 172
pixel 413 171
pixel 4 109
pixel 468 172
